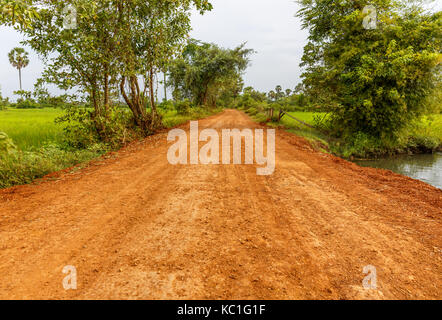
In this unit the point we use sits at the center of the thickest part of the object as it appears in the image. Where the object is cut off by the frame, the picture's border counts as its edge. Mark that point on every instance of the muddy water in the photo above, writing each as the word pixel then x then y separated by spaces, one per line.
pixel 425 167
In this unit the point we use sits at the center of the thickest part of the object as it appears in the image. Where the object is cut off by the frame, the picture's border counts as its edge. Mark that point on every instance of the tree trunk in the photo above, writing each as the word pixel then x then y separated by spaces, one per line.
pixel 165 87
pixel 280 115
pixel 106 92
pixel 129 102
pixel 152 98
pixel 135 103
pixel 95 102
pixel 156 89
pixel 97 113
pixel 19 77
pixel 204 98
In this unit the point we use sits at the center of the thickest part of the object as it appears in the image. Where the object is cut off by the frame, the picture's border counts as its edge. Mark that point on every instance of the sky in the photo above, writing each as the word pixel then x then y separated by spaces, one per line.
pixel 268 26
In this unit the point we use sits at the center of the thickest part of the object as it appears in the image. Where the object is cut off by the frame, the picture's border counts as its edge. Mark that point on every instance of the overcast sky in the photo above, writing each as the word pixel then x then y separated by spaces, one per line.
pixel 268 26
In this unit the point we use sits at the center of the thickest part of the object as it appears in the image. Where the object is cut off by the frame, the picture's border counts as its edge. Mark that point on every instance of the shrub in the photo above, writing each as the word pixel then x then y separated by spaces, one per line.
pixel 424 143
pixel 82 129
pixel 246 101
pixel 166 105
pixel 27 104
pixel 183 107
pixel 359 145
pixel 79 128
pixel 252 111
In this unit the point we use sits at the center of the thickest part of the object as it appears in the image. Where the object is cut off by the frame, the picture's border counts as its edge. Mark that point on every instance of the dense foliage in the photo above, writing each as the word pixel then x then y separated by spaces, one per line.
pixel 376 81
pixel 205 72
pixel 17 13
pixel 103 49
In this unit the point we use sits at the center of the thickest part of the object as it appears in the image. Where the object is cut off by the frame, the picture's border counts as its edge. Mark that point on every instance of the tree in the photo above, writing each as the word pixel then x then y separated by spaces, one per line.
pixel 150 39
pixel 279 92
pixel 299 88
pixel 13 13
pixel 113 45
pixel 205 71
pixel 18 58
pixel 254 94
pixel 288 92
pixel 373 80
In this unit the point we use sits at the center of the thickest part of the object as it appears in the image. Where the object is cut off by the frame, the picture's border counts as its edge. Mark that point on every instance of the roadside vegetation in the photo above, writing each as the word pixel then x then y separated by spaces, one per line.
pixel 40 140
pixel 377 77
pixel 374 84
pixel 366 92
pixel 303 117
pixel 114 63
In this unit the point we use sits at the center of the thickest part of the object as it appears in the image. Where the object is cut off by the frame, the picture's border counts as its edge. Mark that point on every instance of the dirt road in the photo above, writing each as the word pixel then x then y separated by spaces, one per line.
pixel 137 227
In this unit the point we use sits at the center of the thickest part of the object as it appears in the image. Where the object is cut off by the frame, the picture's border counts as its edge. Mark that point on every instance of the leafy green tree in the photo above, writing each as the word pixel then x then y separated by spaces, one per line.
pixel 301 100
pixel 153 33
pixel 272 95
pixel 299 88
pixel 205 71
pixel 279 92
pixel 372 80
pixel 79 57
pixel 113 45
pixel 254 94
pixel 17 13
pixel 19 59
pixel 288 92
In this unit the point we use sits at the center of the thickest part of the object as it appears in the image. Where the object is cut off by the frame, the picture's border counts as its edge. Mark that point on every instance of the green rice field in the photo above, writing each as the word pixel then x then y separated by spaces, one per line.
pixel 31 128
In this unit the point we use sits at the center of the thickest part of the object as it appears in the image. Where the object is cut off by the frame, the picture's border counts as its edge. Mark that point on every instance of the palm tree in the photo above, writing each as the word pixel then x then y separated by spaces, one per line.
pixel 18 57
pixel 279 93
pixel 288 92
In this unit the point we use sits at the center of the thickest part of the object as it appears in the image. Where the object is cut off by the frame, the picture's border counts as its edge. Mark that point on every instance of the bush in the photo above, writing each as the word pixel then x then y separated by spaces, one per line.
pixel 79 128
pixel 27 104
pixel 121 129
pixel 246 101
pixel 424 143
pixel 361 145
pixel 166 106
pixel 82 129
pixel 252 111
pixel 183 107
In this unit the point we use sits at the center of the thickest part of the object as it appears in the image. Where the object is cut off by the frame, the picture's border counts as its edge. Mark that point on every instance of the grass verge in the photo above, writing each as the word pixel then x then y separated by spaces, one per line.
pixel 23 167
pixel 423 136
pixel 35 146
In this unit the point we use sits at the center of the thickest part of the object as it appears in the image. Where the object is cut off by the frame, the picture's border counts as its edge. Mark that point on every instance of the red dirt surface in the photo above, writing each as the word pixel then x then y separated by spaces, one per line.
pixel 136 227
